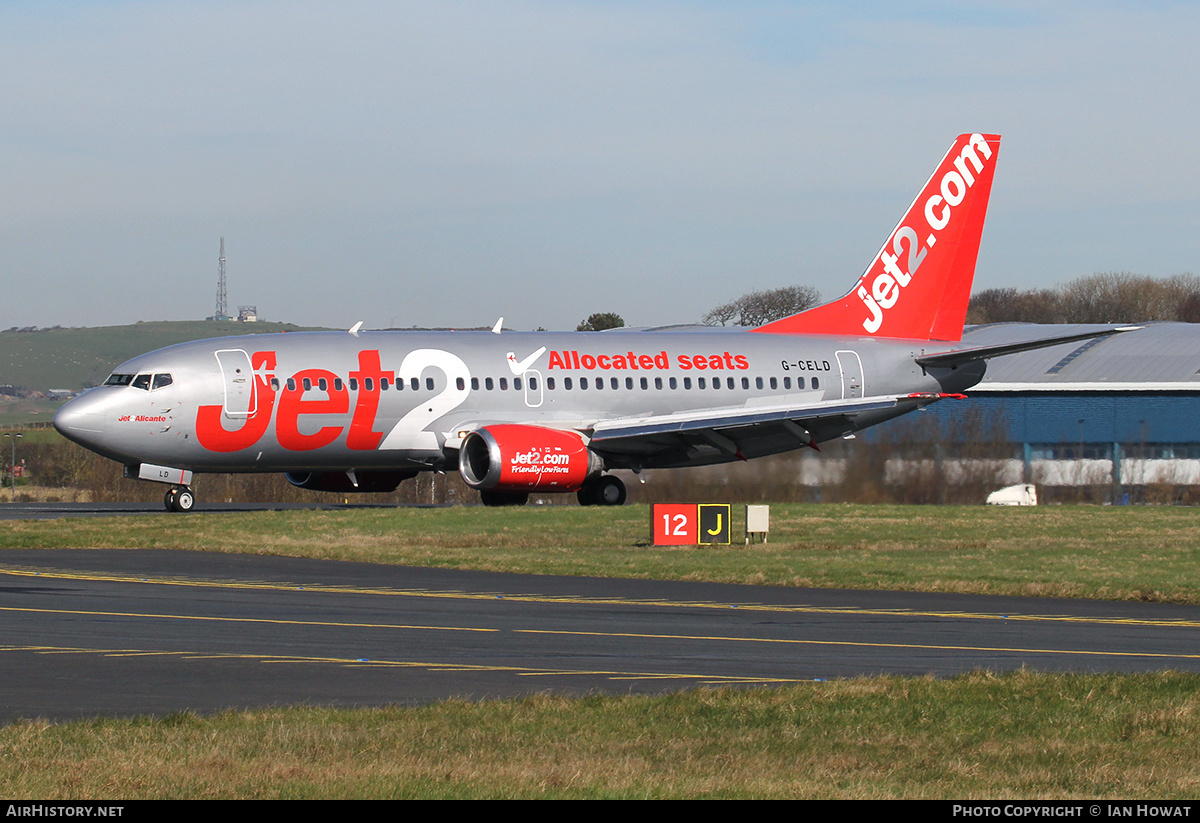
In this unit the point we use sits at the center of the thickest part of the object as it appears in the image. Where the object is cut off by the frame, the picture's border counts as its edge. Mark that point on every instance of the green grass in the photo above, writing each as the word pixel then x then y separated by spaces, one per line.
pixel 1120 553
pixel 1018 736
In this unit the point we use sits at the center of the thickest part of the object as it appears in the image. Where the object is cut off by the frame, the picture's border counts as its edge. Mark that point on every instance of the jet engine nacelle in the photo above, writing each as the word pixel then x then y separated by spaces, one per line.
pixel 515 458
pixel 373 481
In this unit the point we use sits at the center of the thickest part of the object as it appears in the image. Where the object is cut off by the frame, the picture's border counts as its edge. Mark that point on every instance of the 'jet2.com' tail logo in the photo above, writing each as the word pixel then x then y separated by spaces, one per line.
pixel 939 204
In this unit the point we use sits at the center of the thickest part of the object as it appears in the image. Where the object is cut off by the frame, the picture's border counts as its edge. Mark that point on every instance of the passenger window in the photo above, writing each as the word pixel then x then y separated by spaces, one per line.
pixel 369 383
pixel 673 383
pixel 729 383
pixel 701 383
pixel 142 381
pixel 353 384
pixel 787 383
pixel 503 384
pixel 291 384
pixel 415 383
pixel 645 384
pixel 533 384
pixel 488 383
pixel 774 383
pixel 474 384
pixel 629 382
pixel 459 384
pixel 816 385
pixel 275 383
pixel 517 383
pixel 746 383
pixel 322 384
pixel 614 384
pixel 687 383
pixel 384 384
pixel 658 383
pixel 307 384
pixel 429 384
pixel 567 383
pixel 758 384
pixel 550 383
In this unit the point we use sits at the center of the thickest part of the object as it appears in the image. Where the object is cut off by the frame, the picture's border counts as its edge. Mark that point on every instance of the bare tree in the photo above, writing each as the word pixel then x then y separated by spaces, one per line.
pixel 759 307
pixel 1104 297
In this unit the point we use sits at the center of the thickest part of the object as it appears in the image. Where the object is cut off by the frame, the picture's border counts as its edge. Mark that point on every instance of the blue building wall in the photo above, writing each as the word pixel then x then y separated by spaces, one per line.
pixel 1109 417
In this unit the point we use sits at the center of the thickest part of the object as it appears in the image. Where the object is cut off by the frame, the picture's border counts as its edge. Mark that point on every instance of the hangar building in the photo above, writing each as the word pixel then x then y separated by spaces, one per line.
pixel 1121 410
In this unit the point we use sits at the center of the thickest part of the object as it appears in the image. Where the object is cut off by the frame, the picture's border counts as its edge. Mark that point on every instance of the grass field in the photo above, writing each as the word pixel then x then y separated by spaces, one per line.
pixel 1022 735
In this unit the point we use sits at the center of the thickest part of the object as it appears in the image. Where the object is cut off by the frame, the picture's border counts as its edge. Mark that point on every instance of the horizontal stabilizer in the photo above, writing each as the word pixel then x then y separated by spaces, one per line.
pixel 961 356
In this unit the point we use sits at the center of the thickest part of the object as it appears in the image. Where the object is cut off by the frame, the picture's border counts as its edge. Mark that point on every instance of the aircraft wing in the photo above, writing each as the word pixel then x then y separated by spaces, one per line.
pixel 736 431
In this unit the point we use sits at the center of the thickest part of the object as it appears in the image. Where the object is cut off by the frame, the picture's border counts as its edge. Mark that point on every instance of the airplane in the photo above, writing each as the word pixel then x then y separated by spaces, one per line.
pixel 515 413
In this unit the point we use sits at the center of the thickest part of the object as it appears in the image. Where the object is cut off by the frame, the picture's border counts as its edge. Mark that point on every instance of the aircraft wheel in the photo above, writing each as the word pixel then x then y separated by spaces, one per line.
pixel 504 498
pixel 179 499
pixel 604 490
pixel 587 493
pixel 610 491
pixel 185 500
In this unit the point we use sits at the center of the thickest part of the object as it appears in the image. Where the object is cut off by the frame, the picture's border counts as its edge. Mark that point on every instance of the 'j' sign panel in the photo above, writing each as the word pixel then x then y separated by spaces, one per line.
pixel 554 412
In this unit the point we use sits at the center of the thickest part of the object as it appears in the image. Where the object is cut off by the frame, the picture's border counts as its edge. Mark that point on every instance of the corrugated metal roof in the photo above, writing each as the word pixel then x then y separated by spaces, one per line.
pixel 1157 357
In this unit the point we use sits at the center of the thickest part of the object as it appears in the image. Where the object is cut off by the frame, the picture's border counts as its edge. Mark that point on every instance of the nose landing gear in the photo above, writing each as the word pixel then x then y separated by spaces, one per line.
pixel 179 499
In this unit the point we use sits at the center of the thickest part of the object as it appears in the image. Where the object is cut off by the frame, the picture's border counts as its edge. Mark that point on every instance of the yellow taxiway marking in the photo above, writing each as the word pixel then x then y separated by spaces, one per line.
pixel 862 644
pixel 22 571
pixel 520 671
pixel 202 618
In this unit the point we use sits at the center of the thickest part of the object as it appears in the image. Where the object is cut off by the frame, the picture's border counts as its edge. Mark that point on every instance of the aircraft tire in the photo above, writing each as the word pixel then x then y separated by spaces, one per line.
pixel 604 490
pixel 490 498
pixel 610 491
pixel 185 500
pixel 587 494
pixel 169 499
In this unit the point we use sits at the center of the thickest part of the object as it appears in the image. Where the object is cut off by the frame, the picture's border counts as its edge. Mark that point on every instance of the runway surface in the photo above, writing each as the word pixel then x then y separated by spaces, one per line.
pixel 100 632
pixel 54 511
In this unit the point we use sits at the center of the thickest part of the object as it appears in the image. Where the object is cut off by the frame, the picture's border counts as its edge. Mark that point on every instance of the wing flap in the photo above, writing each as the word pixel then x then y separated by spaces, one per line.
pixel 725 420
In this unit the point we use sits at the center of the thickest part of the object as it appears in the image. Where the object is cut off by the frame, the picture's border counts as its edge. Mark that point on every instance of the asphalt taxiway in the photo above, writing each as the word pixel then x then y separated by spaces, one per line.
pixel 108 632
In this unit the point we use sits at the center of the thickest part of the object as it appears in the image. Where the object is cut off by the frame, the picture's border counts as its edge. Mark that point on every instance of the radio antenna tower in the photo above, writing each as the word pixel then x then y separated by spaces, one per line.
pixel 222 312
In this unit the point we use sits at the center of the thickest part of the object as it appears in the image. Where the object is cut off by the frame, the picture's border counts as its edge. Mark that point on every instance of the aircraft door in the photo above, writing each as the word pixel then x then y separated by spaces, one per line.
pixel 852 374
pixel 533 388
pixel 237 377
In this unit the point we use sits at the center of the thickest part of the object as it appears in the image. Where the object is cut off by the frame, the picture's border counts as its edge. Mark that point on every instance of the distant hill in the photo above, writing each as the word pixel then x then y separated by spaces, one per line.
pixel 74 358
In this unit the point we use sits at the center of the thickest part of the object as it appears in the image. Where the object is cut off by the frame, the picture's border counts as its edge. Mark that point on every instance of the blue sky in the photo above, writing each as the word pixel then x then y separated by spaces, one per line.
pixel 444 163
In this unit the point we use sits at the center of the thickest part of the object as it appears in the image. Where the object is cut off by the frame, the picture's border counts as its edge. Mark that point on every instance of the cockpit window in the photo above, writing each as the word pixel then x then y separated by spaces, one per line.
pixel 161 380
pixel 142 381
pixel 118 380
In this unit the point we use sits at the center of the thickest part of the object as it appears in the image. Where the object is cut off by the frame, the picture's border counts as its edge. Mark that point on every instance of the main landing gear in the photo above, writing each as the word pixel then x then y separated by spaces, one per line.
pixel 179 499
pixel 602 490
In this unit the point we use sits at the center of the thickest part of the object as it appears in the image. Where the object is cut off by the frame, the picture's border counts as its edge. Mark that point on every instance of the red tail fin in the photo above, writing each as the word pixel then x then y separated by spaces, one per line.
pixel 919 285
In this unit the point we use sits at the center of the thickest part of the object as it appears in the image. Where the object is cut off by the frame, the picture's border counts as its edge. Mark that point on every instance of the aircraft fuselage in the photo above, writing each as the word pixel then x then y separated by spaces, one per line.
pixel 339 401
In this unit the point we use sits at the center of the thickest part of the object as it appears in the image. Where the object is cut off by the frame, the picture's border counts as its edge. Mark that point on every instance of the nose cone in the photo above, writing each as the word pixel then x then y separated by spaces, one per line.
pixel 82 420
